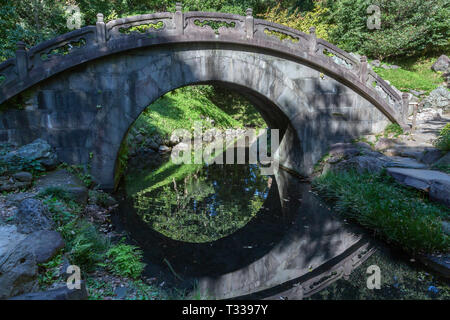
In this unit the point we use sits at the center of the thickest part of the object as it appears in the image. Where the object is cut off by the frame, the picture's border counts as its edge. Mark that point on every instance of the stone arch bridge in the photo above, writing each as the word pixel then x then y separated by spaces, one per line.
pixel 83 90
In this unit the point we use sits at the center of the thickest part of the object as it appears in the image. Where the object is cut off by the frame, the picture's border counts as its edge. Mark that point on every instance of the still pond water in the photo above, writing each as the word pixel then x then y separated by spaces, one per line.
pixel 228 232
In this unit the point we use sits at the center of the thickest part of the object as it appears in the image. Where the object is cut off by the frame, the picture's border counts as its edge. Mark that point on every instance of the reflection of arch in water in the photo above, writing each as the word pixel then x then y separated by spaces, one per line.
pixel 216 258
pixel 294 239
pixel 317 250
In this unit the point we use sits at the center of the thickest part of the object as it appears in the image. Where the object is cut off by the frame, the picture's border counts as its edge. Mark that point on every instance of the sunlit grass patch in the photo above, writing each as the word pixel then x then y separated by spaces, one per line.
pixel 398 215
pixel 413 74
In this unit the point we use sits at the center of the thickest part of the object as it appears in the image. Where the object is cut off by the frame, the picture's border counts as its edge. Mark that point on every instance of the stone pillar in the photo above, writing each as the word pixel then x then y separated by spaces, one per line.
pixel 405 106
pixel 312 40
pixel 101 30
pixel 414 120
pixel 363 72
pixel 179 18
pixel 21 60
pixel 249 24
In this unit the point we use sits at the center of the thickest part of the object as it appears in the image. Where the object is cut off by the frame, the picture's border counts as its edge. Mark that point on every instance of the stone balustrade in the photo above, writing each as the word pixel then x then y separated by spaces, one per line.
pixel 29 67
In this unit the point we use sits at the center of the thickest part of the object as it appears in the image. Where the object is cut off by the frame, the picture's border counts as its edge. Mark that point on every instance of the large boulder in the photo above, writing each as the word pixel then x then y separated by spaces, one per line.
pixel 428 114
pixel 401 162
pixel 435 182
pixel 33 216
pixel 18 273
pixel 431 156
pixel 358 156
pixel 66 181
pixel 39 151
pixel 417 178
pixel 44 244
pixel 385 143
pixel 23 176
pixel 442 64
pixel 101 199
pixel 10 184
pixel 9 237
pixel 14 199
pixel 438 99
pixel 60 293
pixel 19 259
pixel 362 164
pixel 344 150
pixel 438 262
pixel 440 192
pixel 444 161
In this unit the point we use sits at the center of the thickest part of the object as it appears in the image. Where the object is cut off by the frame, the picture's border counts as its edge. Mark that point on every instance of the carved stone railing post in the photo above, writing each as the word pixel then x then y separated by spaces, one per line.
pixel 405 106
pixel 414 119
pixel 312 40
pixel 363 70
pixel 101 30
pixel 179 19
pixel 249 24
pixel 21 60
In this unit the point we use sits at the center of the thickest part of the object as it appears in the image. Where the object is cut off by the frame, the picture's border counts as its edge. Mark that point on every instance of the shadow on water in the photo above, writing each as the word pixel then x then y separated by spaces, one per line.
pixel 294 247
pixel 292 238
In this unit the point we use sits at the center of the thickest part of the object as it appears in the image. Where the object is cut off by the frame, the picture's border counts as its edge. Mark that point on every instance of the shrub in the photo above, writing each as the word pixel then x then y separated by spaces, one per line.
pixel 29 21
pixel 408 27
pixel 86 246
pixel 318 18
pixel 443 142
pixel 17 163
pixel 393 129
pixel 62 207
pixel 126 260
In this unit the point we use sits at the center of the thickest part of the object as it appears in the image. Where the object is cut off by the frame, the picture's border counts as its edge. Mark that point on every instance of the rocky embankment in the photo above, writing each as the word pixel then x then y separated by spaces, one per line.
pixel 28 235
pixel 155 147
pixel 410 158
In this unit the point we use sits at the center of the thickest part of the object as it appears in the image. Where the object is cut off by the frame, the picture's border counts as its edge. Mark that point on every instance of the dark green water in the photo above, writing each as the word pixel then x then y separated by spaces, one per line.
pixel 225 231
pixel 203 204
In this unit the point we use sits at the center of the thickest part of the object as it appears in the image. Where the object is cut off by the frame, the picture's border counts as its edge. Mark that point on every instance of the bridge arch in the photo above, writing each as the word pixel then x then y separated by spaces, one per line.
pixel 84 102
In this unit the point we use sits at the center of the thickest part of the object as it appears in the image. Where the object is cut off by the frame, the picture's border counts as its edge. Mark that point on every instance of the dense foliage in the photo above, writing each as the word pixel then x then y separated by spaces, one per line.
pixel 394 213
pixel 319 18
pixel 443 142
pixel 408 27
pixel 34 21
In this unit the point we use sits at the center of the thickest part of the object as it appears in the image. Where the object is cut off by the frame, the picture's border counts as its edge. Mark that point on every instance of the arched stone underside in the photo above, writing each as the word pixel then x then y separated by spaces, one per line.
pixel 84 102
pixel 299 264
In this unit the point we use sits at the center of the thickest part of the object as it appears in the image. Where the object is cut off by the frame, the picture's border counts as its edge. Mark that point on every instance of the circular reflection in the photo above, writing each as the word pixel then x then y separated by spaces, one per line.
pixel 197 204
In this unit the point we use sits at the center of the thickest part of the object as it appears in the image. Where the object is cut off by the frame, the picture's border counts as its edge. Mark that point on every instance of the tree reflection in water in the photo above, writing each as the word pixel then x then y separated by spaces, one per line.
pixel 204 204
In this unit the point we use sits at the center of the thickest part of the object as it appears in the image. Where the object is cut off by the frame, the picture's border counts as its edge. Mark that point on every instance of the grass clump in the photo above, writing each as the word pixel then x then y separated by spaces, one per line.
pixel 55 192
pixel 49 272
pixel 85 244
pixel 396 214
pixel 61 206
pixel 443 142
pixel 126 260
pixel 393 129
pixel 17 163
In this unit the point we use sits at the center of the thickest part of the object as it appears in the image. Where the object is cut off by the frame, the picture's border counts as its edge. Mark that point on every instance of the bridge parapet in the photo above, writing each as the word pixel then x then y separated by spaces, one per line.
pixel 154 23
pixel 92 42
